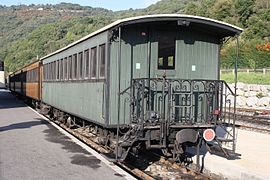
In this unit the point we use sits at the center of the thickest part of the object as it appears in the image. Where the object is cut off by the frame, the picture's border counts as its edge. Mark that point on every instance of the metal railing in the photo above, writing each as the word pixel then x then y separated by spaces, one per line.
pixel 179 101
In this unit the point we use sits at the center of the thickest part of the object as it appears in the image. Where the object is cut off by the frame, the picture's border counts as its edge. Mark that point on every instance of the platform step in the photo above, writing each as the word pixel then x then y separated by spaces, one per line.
pixel 217 150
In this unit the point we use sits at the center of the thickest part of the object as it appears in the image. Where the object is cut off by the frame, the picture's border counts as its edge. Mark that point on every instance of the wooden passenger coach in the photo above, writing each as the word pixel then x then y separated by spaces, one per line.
pixel 27 81
pixel 86 77
pixel 151 81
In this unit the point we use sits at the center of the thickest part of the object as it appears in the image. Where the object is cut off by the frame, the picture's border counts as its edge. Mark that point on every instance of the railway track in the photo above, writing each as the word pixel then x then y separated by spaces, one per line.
pixel 159 167
pixel 155 166
pixel 251 119
pixel 147 166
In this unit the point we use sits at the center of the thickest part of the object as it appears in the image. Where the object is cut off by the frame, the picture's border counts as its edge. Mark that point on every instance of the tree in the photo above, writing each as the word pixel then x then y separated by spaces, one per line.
pixel 244 9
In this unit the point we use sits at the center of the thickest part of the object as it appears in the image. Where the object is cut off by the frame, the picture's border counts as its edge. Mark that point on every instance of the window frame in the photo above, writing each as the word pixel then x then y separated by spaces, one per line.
pixel 80 65
pixel 45 72
pixel 93 60
pixel 50 71
pixel 70 67
pixel 102 54
pixel 75 66
pixel 65 68
pixel 61 69
pixel 86 62
pixel 57 70
pixel 54 70
pixel 166 55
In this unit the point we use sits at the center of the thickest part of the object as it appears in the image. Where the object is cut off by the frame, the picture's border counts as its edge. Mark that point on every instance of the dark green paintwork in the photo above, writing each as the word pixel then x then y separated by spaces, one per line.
pixel 88 100
pixel 83 98
pixel 193 49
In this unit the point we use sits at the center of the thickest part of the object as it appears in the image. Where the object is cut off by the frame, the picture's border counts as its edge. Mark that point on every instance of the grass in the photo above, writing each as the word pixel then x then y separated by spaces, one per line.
pixel 249 78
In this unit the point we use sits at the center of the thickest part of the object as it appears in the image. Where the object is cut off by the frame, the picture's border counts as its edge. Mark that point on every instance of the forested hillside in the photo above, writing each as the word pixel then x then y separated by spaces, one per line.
pixel 28 32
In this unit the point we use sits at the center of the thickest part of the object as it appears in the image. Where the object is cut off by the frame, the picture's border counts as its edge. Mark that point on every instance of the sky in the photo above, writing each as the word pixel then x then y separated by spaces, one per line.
pixel 108 4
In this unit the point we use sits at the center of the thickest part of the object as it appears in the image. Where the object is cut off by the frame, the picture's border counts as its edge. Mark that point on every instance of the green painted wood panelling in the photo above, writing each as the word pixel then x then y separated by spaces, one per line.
pixel 82 98
pixel 196 55
pixel 133 51
pixel 196 58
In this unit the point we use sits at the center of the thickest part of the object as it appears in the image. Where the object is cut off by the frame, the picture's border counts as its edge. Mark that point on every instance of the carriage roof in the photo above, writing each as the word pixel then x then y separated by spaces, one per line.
pixel 224 29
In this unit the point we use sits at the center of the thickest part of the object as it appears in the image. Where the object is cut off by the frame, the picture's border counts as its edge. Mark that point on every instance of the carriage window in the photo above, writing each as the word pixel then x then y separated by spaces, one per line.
pixel 94 62
pixel 70 67
pixel 52 64
pixel 36 77
pixel 55 65
pixel 53 70
pixel 28 76
pixel 57 70
pixel 51 73
pixel 65 69
pixel 166 52
pixel 61 69
pixel 75 70
pixel 102 60
pixel 32 75
pixel 87 63
pixel 45 72
pixel 48 71
pixel 80 65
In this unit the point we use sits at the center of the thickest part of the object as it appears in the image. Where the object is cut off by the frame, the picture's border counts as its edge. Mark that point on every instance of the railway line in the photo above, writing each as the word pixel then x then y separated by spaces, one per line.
pixel 153 165
pixel 148 166
pixel 253 119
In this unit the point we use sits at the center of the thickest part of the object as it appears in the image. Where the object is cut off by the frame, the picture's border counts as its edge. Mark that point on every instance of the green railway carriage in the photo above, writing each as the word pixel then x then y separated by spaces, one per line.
pixel 158 71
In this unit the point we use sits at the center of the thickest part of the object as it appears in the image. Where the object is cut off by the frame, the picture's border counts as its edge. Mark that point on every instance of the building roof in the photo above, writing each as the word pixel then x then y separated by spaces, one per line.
pixel 224 28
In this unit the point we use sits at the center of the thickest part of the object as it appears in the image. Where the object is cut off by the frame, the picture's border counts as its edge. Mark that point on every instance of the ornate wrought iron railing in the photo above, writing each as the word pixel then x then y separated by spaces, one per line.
pixel 179 101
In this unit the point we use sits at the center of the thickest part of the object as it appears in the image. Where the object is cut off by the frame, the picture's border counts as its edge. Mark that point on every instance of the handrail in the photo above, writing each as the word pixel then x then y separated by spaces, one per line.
pixel 228 87
pixel 206 80
pixel 125 90
pixel 172 101
pixel 185 99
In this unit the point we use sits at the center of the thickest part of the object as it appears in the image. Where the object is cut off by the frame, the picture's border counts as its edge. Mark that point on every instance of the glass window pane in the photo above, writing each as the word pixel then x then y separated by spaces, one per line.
pixel 70 67
pixel 94 62
pixel 87 63
pixel 49 71
pixel 53 69
pixel 102 60
pixel 80 65
pixel 44 72
pixel 166 52
pixel 57 69
pixel 75 66
pixel 61 69
pixel 65 69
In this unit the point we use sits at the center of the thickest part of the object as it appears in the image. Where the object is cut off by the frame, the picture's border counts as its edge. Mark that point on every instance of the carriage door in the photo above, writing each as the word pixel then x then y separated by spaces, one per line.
pixel 163 53
pixel 163 63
